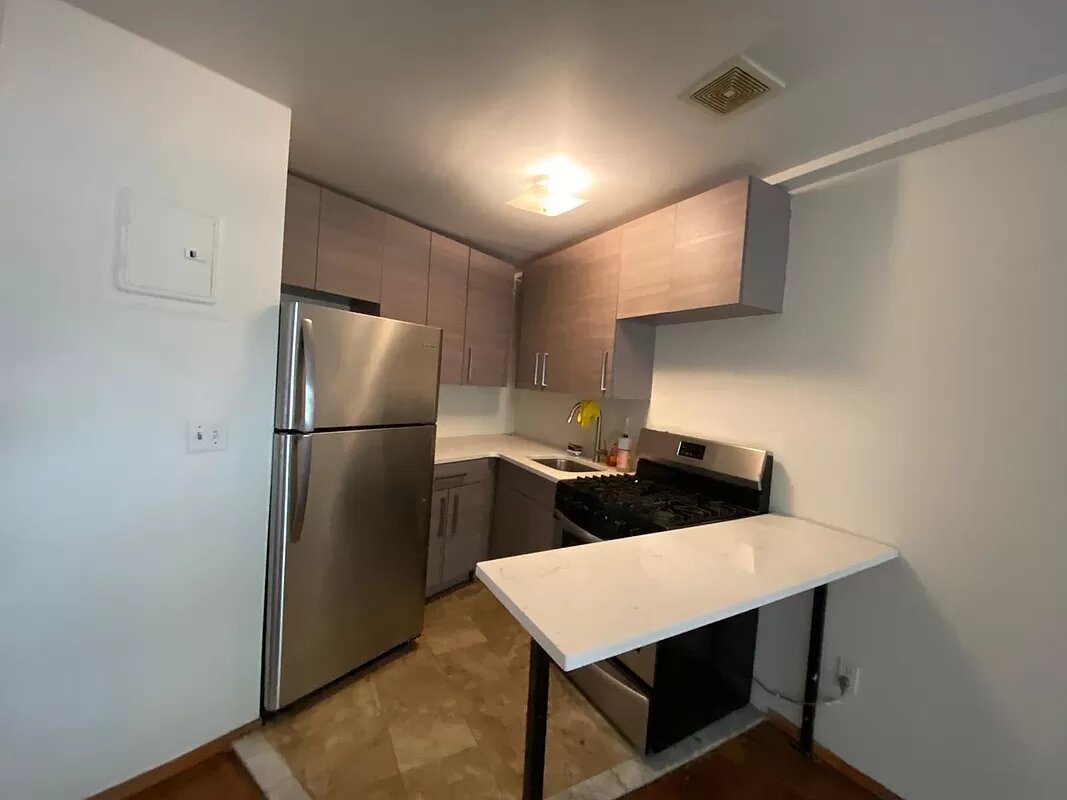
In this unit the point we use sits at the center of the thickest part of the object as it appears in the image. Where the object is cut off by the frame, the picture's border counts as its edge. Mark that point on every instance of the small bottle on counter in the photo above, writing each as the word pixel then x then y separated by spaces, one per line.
pixel 622 457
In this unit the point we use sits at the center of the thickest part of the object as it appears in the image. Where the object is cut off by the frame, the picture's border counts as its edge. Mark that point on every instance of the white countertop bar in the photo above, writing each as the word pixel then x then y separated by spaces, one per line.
pixel 584 604
pixel 513 449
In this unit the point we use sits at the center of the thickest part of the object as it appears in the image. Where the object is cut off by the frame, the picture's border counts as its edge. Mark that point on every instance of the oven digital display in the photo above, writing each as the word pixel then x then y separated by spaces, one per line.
pixel 692 450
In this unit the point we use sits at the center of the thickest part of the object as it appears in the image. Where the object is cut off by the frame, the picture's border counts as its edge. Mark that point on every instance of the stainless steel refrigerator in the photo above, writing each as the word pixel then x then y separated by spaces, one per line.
pixel 355 423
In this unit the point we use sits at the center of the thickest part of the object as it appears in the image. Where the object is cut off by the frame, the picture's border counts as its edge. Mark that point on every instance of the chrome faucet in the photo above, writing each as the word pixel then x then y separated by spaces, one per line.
pixel 597 451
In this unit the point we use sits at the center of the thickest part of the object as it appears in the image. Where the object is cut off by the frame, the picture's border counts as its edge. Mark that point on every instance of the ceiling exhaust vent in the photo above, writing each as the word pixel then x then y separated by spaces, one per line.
pixel 739 83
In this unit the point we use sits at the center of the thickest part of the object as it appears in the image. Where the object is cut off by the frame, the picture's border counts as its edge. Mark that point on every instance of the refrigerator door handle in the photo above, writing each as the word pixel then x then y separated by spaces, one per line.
pixel 301 476
pixel 307 349
pixel 455 513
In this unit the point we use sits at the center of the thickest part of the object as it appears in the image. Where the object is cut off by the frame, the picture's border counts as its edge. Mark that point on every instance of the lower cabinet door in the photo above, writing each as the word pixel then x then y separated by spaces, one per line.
pixel 506 513
pixel 536 528
pixel 467 540
pixel 435 556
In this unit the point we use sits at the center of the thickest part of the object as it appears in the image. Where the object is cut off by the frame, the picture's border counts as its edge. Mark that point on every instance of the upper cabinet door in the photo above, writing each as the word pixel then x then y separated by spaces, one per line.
pixel 555 304
pixel 405 271
pixel 447 305
pixel 647 255
pixel 532 325
pixel 590 279
pixel 709 242
pixel 351 238
pixel 719 254
pixel 301 244
pixel 490 318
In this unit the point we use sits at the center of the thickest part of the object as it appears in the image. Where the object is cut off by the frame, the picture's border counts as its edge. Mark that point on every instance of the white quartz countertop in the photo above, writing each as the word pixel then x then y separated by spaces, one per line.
pixel 513 449
pixel 591 602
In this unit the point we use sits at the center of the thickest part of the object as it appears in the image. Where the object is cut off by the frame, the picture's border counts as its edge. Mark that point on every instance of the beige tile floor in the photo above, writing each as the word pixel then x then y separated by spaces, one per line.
pixel 444 720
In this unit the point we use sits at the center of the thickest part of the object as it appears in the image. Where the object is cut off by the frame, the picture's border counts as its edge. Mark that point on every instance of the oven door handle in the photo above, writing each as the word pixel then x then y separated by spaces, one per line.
pixel 581 534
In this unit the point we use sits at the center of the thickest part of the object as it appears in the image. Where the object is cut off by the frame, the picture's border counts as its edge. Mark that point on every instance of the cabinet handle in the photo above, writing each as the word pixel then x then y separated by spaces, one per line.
pixel 455 513
pixel 544 371
pixel 604 372
pixel 537 368
pixel 470 362
pixel 442 518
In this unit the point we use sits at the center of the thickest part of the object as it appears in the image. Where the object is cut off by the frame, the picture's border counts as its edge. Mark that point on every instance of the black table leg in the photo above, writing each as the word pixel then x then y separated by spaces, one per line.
pixel 533 778
pixel 811 684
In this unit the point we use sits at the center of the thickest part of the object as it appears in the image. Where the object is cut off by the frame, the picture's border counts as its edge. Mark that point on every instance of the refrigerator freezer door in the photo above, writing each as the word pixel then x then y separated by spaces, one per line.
pixel 347 570
pixel 339 369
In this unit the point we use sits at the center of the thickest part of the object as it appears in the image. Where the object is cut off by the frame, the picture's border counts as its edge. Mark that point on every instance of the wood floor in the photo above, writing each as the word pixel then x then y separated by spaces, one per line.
pixel 221 777
pixel 445 720
pixel 758 765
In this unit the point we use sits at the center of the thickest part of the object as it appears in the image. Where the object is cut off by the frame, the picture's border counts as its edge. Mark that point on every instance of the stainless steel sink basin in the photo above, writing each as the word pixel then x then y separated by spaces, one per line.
pixel 565 464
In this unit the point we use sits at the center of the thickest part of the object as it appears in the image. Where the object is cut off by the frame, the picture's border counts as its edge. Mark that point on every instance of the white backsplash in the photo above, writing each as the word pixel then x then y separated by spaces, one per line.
pixel 473 410
pixel 543 416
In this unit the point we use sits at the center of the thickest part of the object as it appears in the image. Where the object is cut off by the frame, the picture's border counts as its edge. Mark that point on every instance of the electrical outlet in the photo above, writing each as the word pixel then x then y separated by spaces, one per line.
pixel 848 677
pixel 205 436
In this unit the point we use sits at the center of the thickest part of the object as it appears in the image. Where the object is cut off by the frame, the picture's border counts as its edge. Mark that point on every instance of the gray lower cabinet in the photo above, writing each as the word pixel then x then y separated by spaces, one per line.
pixel 435 558
pixel 476 515
pixel 522 513
pixel 470 511
pixel 459 523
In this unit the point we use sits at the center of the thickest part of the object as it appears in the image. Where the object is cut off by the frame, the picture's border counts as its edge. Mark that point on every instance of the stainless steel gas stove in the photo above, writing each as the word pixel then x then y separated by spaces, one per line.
pixel 660 694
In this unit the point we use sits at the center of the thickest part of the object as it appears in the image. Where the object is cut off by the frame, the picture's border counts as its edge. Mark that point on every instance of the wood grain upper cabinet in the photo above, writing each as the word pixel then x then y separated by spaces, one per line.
pixel 709 246
pixel 589 282
pixel 490 319
pixel 647 247
pixel 537 316
pixel 351 238
pixel 727 258
pixel 405 271
pixel 301 244
pixel 528 353
pixel 447 302
pixel 570 337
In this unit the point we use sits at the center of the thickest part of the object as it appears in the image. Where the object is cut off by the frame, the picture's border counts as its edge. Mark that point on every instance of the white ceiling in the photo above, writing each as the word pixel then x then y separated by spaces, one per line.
pixel 435 110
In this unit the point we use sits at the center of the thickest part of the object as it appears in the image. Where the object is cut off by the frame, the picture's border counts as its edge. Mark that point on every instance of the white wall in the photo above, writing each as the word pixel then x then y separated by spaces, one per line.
pixel 131 575
pixel 473 410
pixel 914 392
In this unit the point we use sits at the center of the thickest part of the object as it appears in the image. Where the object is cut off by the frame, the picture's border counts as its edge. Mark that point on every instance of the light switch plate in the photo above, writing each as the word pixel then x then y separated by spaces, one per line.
pixel 205 436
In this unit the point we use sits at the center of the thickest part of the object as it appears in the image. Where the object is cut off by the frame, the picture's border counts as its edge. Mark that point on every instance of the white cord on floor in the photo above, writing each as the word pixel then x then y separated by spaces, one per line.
pixel 824 702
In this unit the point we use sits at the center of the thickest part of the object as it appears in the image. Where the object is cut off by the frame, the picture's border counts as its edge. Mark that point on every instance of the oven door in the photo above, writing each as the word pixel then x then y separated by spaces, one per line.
pixel 611 685
pixel 618 697
pixel 569 534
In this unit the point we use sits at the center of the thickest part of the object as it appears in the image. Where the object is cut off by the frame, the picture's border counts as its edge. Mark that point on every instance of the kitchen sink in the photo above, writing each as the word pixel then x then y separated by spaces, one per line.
pixel 565 464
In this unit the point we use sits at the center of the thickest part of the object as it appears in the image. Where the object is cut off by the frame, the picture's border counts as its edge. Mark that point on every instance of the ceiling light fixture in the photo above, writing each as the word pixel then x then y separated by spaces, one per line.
pixel 541 198
pixel 556 182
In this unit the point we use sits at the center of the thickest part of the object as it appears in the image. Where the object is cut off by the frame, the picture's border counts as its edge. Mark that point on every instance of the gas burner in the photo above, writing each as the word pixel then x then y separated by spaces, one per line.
pixel 614 506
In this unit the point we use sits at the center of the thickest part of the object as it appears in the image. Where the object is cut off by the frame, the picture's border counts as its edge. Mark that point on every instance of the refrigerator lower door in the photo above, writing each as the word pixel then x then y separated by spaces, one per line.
pixel 346 571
